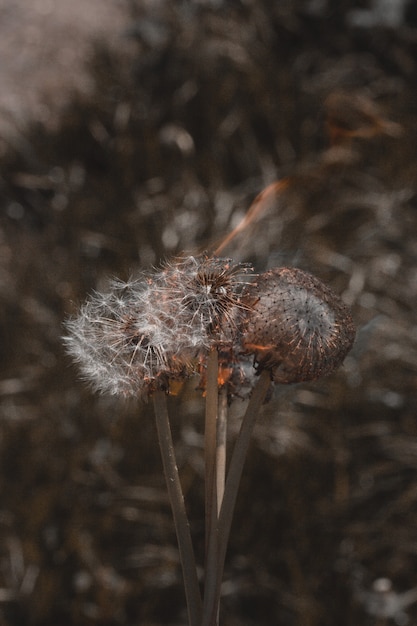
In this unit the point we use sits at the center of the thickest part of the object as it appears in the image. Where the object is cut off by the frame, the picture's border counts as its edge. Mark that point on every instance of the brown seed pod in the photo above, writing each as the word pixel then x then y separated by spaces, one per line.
pixel 298 329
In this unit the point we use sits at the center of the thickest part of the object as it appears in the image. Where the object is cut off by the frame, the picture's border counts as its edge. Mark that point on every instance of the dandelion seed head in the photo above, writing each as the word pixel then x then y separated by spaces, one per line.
pixel 299 329
pixel 204 295
pixel 118 345
pixel 140 334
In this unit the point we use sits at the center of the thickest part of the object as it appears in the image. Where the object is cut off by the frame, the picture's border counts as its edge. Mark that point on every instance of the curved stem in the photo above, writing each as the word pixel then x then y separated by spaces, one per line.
pixel 182 527
pixel 256 208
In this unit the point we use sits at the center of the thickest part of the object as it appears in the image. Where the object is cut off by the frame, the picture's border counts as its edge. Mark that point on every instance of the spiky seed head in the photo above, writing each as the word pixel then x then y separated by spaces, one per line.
pixel 298 329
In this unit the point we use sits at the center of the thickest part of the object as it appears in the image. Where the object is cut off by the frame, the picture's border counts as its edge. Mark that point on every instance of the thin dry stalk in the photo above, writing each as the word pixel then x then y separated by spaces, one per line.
pixel 211 601
pixel 182 527
pixel 221 446
pixel 210 446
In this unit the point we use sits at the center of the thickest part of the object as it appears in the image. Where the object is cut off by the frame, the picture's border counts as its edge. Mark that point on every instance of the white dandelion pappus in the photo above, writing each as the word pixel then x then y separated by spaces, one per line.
pixel 139 335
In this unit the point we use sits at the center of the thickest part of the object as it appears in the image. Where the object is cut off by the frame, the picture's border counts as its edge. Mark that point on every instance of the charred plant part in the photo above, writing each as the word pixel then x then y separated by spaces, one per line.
pixel 176 497
pixel 299 329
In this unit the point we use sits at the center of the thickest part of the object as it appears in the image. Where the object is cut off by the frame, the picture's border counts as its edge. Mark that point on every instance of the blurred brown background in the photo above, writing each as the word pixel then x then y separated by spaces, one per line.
pixel 132 131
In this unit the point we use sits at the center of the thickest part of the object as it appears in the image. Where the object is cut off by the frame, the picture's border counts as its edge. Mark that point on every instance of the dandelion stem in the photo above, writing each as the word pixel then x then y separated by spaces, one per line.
pixel 210 448
pixel 221 446
pixel 210 437
pixel 238 459
pixel 231 488
pixel 176 497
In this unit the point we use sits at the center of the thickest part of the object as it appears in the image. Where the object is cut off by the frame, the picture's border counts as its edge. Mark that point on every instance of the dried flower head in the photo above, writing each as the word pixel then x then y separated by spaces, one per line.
pixel 204 295
pixel 299 329
pixel 141 334
pixel 118 344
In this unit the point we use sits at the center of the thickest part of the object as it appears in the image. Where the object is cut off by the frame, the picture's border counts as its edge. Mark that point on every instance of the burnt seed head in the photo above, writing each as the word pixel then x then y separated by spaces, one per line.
pixel 298 329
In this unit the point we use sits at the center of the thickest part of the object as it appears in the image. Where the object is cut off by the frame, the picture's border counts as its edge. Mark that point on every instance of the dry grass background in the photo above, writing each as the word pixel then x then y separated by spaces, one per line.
pixel 202 106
